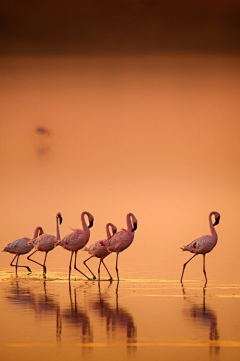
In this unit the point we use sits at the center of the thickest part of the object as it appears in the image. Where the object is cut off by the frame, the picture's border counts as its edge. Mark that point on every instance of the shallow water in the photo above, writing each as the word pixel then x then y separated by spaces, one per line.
pixel 132 319
pixel 154 135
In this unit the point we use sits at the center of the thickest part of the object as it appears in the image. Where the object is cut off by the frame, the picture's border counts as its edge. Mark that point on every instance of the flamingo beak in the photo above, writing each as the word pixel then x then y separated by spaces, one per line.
pixel 60 217
pixel 134 227
pixel 216 221
pixel 90 224
pixel 114 231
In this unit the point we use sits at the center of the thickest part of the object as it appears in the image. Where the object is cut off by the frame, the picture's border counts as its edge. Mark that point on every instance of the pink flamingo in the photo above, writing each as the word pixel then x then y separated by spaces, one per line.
pixel 20 246
pixel 122 239
pixel 77 240
pixel 97 250
pixel 203 244
pixel 45 243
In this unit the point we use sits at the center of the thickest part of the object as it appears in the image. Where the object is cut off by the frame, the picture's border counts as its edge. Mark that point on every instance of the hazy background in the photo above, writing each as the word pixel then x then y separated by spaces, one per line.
pixel 141 100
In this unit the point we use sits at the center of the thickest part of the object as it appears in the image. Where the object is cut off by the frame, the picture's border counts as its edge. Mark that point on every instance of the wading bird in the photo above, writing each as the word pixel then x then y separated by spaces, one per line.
pixel 122 239
pixel 203 244
pixel 97 250
pixel 77 240
pixel 20 246
pixel 45 243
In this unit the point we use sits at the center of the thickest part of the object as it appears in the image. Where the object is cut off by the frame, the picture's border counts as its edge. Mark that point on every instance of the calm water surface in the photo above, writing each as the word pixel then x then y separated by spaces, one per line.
pixel 132 320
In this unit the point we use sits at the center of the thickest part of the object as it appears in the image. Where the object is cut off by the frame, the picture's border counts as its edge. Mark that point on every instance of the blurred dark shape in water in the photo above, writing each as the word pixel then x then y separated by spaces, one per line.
pixel 77 318
pixel 205 317
pixel 117 318
pixel 42 304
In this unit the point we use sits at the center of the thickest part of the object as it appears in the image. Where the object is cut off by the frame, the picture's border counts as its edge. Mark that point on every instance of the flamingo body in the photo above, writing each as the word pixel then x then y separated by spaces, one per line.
pixel 77 240
pixel 119 241
pixel 122 239
pixel 21 246
pixel 204 244
pixel 45 243
pixel 97 250
pixel 201 245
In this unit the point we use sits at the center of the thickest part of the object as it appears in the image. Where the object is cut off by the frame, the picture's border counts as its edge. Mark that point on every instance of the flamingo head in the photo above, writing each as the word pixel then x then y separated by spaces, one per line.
pixel 134 227
pixel 132 222
pixel 217 218
pixel 58 215
pixel 90 223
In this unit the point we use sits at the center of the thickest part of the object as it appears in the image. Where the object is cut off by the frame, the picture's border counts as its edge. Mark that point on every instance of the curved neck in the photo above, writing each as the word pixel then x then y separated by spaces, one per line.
pixel 84 224
pixel 37 231
pixel 58 232
pixel 108 230
pixel 213 231
pixel 129 222
pixel 113 228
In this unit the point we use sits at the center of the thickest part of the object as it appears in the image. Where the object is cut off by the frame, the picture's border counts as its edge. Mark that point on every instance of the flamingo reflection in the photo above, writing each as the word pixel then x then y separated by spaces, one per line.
pixel 207 317
pixel 41 304
pixel 77 317
pixel 118 319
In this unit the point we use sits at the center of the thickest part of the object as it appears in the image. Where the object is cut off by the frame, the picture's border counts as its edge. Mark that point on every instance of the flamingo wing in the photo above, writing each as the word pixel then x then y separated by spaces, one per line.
pixel 75 240
pixel 200 245
pixel 92 247
pixel 119 241
pixel 19 246
pixel 45 242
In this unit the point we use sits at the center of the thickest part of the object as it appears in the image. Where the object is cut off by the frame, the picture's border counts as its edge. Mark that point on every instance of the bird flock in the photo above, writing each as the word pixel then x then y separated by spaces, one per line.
pixel 75 241
pixel 114 242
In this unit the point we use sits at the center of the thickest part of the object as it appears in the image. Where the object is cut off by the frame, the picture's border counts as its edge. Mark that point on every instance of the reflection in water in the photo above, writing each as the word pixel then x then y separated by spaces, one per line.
pixel 40 303
pixel 72 320
pixel 117 318
pixel 207 317
pixel 77 317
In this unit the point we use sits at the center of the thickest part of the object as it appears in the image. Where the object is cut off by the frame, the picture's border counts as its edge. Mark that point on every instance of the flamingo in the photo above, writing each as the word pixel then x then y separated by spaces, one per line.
pixel 122 239
pixel 45 243
pixel 97 250
pixel 203 244
pixel 77 240
pixel 20 246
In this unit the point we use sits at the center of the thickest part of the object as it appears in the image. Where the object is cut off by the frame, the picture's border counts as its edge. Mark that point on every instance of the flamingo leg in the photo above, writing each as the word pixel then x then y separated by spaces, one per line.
pixel 70 267
pixel 185 266
pixel 16 265
pixel 110 277
pixel 117 266
pixel 99 266
pixel 204 271
pixel 40 264
pixel 44 267
pixel 75 266
pixel 94 277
